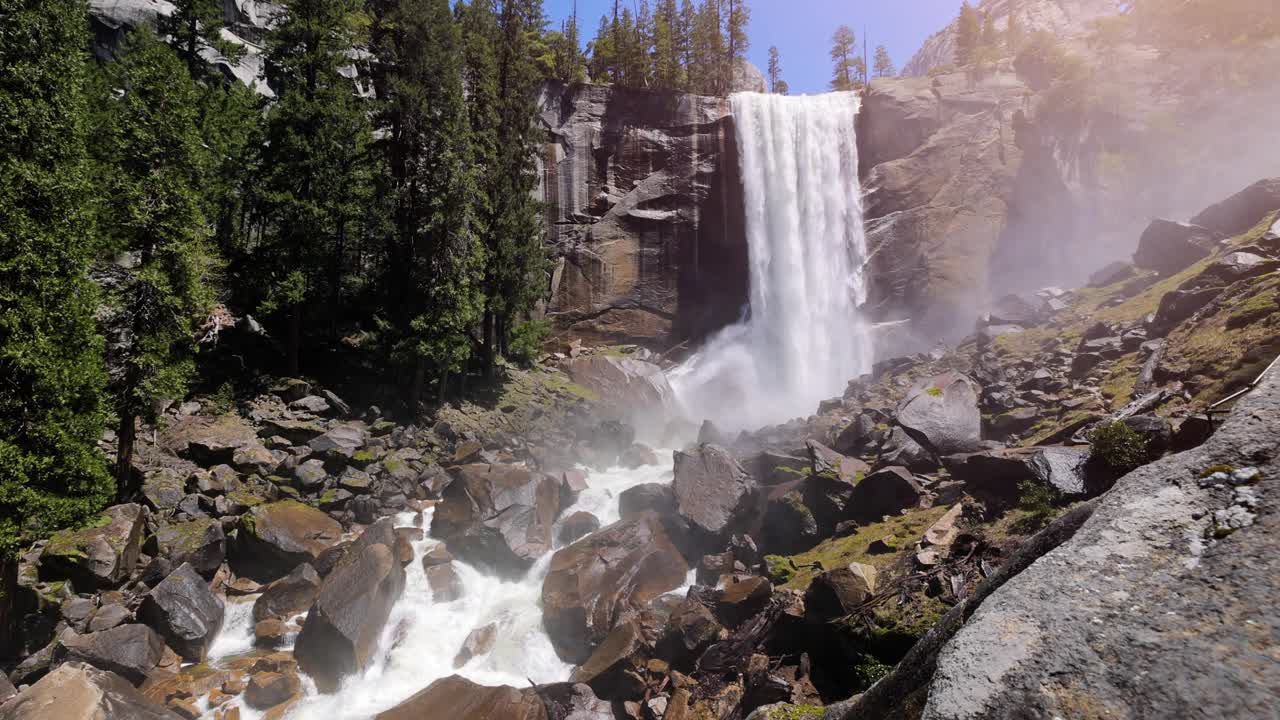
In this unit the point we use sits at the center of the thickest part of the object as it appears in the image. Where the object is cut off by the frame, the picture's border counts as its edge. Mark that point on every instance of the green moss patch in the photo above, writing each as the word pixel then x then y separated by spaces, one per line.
pixel 839 552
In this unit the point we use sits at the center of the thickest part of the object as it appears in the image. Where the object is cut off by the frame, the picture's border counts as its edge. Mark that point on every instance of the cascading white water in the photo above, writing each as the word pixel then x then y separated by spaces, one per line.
pixel 802 340
pixel 423 636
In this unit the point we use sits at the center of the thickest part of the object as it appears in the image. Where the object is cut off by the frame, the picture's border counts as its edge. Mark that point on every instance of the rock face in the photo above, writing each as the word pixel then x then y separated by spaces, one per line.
pixel 456 698
pixel 593 582
pixel 100 555
pixel 275 538
pixel 498 516
pixel 185 612
pixel 942 413
pixel 78 692
pixel 342 629
pixel 644 214
pixel 1171 539
pixel 713 493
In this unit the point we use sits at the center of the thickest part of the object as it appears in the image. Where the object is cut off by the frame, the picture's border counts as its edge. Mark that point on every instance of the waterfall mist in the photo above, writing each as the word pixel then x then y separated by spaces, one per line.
pixel 801 340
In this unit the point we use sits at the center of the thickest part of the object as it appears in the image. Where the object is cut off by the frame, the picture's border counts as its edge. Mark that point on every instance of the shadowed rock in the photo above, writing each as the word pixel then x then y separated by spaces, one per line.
pixel 77 692
pixel 498 516
pixel 185 612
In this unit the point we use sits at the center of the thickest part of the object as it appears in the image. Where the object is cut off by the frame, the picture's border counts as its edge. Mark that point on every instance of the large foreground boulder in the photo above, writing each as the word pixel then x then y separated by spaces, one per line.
pixel 887 491
pixel 275 538
pixel 1243 210
pixel 1160 605
pixel 498 516
pixel 713 493
pixel 456 698
pixel 78 692
pixel 594 582
pixel 100 555
pixel 344 625
pixel 630 390
pixel 185 612
pixel 942 413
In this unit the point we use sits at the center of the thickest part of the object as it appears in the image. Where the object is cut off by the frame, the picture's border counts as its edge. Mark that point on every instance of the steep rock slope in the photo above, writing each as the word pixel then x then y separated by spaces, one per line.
pixel 644 212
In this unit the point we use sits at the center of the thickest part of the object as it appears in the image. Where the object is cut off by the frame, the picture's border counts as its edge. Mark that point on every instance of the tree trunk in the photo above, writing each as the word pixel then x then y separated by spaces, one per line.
pixel 415 388
pixel 126 436
pixel 489 340
pixel 8 614
pixel 444 386
pixel 295 339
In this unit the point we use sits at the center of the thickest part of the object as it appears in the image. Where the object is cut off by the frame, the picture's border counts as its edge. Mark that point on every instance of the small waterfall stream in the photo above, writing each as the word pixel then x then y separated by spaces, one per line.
pixel 802 340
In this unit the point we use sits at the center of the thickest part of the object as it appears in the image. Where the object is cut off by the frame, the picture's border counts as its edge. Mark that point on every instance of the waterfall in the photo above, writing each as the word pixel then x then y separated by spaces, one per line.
pixel 801 340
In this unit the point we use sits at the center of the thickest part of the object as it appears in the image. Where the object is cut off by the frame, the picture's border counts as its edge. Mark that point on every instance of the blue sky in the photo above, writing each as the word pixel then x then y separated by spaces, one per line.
pixel 802 30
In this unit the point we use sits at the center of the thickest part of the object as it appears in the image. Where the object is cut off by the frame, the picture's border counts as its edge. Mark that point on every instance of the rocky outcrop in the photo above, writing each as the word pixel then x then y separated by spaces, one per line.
pixel 344 625
pixel 644 214
pixel 78 692
pixel 498 516
pixel 942 414
pixel 597 580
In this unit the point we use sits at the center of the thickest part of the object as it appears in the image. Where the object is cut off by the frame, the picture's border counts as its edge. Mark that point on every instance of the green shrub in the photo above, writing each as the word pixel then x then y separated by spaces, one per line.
pixel 223 400
pixel 1118 446
pixel 1038 500
pixel 527 339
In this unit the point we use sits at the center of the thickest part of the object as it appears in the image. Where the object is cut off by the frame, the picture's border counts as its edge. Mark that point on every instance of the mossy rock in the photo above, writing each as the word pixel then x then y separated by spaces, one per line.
pixel 99 555
pixel 778 569
pixel 791 712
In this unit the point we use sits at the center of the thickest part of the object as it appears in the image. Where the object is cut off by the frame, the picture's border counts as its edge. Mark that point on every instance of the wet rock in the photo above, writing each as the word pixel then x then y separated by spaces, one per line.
pixel 887 491
pixel 456 698
pixel 444 582
pixel 355 600
pixel 630 390
pixel 436 555
pixel 185 612
pixel 713 493
pixel 1169 247
pixel 498 516
pixel 275 538
pixel 269 633
pixel 772 468
pixel 130 651
pixel 577 525
pixel 101 555
pixel 613 670
pixel 269 689
pixel 78 692
pixel 200 542
pixel 591 583
pixel 638 455
pixel 942 413
pixel 479 642
pixel 288 596
pixel 603 444
pixel 997 473
pixel 572 484
pixel 647 497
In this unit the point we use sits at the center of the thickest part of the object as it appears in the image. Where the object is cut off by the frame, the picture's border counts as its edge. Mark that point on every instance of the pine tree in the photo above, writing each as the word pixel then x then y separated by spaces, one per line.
pixel 52 404
pixel 968 34
pixel 666 55
pixel 434 260
pixel 775 70
pixel 193 26
pixel 848 66
pixel 568 63
pixel 316 185
pixel 883 63
pixel 603 54
pixel 153 211
pixel 990 37
pixel 1014 33
pixel 706 75
pixel 685 28
pixel 736 20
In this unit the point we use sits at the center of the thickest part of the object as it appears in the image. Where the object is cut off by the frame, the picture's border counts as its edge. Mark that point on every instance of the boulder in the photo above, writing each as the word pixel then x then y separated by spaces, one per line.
pixel 299 432
pixel 456 698
pixel 98 556
pixel 713 493
pixel 647 497
pixel 130 651
pixel 998 473
pixel 840 592
pixel 78 692
pixel 901 449
pixel 887 491
pixel 742 599
pixel 269 689
pixel 790 525
pixel 690 629
pixel 613 670
pixel 593 582
pixel 355 600
pixel 1111 273
pixel 1241 211
pixel 498 516
pixel 773 468
pixel 290 595
pixel 577 525
pixel 310 475
pixel 638 455
pixel 1169 247
pixel 825 461
pixel 630 390
pixel 342 440
pixel 109 616
pixel 200 542
pixel 479 642
pixel 444 582
pixel 271 632
pixel 942 413
pixel 163 489
pixel 275 538
pixel 184 611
